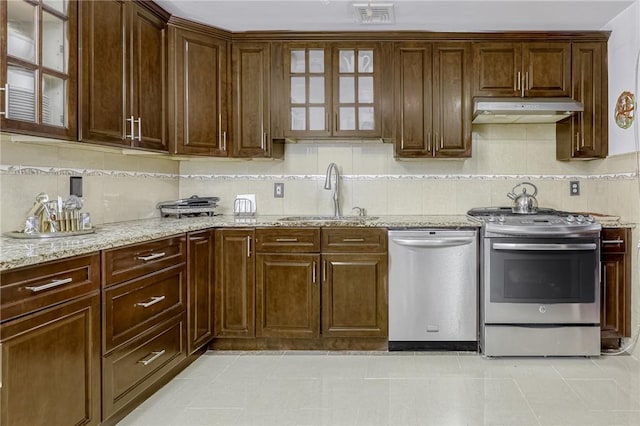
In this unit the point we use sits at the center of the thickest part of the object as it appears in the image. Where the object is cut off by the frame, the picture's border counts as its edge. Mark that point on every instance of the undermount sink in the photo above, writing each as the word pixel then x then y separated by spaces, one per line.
pixel 327 218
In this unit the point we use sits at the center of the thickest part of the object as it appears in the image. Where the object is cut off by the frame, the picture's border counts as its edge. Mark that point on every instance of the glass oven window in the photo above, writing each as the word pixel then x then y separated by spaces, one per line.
pixel 541 276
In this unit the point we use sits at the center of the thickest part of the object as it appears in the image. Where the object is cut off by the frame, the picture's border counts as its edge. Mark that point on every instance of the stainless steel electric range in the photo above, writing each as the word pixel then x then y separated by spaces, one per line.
pixel 540 283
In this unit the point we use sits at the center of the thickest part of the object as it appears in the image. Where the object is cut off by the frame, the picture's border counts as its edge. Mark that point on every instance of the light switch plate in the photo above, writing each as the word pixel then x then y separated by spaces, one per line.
pixel 278 190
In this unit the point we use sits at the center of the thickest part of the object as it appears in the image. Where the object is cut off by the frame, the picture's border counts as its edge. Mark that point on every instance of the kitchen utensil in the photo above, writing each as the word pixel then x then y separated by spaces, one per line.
pixel 524 203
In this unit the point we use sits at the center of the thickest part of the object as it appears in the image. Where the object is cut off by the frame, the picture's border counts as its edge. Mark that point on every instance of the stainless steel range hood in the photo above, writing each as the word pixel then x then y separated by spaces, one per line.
pixel 523 110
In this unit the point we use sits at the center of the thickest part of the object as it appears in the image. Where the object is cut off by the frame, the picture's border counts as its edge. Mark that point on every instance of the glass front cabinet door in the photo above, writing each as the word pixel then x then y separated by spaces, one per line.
pixel 332 90
pixel 38 76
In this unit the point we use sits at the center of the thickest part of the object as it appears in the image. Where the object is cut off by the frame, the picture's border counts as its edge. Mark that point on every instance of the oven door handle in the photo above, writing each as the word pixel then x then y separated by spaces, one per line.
pixel 544 247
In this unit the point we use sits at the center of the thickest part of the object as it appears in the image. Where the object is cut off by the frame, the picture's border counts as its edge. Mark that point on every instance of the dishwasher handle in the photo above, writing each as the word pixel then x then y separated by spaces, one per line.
pixel 433 242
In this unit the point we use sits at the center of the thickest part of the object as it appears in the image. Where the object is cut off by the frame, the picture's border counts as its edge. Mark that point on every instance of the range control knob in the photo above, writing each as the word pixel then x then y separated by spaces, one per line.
pixel 501 218
pixel 580 218
pixel 491 218
pixel 570 218
pixel 590 219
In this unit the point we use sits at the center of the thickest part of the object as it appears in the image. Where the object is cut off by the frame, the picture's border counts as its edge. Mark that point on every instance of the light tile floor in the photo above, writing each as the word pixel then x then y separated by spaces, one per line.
pixel 397 388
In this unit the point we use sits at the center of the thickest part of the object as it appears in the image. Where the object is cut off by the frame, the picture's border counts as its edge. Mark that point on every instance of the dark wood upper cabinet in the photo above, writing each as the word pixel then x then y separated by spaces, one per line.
pixel 529 69
pixel 433 99
pixel 584 135
pixel 331 89
pixel 38 76
pixel 134 65
pixel 251 100
pixel 198 97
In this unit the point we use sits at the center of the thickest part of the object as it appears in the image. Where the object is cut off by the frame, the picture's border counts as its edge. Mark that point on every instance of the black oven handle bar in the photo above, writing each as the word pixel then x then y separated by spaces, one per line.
pixel 544 247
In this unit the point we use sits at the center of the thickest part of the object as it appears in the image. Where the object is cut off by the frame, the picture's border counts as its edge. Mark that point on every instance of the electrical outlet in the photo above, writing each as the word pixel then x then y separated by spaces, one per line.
pixel 278 190
pixel 574 187
pixel 75 186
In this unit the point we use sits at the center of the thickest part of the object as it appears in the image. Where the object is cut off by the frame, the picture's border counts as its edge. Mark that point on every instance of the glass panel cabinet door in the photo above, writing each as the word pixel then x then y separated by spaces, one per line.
pixel 308 88
pixel 356 91
pixel 38 77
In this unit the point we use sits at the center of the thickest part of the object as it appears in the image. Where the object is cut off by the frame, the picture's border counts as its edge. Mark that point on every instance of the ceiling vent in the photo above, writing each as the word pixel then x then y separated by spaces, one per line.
pixel 374 13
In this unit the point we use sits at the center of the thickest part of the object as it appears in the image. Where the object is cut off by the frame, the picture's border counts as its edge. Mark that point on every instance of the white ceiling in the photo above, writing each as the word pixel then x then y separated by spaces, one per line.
pixel 423 15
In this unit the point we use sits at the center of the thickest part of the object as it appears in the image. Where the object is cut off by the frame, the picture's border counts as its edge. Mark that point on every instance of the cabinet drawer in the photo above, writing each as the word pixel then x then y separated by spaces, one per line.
pixel 288 240
pixel 358 240
pixel 614 240
pixel 28 289
pixel 128 371
pixel 130 309
pixel 126 263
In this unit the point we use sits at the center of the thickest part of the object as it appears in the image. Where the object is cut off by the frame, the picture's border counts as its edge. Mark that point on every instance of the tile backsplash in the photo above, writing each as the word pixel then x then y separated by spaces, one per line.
pixel 503 155
pixel 124 186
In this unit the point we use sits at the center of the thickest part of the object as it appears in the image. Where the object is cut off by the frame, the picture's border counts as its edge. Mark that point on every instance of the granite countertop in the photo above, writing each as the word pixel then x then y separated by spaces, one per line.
pixel 15 253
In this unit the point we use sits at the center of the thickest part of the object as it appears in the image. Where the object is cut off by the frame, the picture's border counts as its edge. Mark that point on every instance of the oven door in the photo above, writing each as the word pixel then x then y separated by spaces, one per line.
pixel 541 281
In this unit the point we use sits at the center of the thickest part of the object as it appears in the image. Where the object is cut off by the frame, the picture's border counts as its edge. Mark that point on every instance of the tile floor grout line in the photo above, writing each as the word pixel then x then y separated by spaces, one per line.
pixel 535 416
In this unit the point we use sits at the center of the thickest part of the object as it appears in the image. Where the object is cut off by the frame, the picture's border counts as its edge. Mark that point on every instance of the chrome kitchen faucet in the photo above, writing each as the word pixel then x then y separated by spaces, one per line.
pixel 337 211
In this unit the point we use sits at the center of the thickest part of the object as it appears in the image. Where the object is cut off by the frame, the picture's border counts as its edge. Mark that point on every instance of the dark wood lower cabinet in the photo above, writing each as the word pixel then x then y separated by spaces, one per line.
pixel 287 295
pixel 132 369
pixel 200 277
pixel 51 366
pixel 615 288
pixel 354 295
pixel 235 283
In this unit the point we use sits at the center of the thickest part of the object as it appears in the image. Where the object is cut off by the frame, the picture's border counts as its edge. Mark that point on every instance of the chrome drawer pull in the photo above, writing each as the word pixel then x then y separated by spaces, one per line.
pixel 353 240
pixel 287 240
pixel 612 241
pixel 154 356
pixel 151 256
pixel 153 301
pixel 313 273
pixel 54 283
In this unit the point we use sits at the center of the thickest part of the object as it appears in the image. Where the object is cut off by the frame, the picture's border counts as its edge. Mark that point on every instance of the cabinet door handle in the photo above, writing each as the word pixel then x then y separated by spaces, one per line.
pixel 526 79
pixel 151 256
pixel 139 129
pixel 287 240
pixel 131 128
pixel 263 143
pixel 428 141
pixel 517 82
pixel 577 141
pixel 324 270
pixel 248 246
pixel 151 302
pixel 152 357
pixel 313 273
pixel 353 240
pixel 224 141
pixel 441 141
pixel 612 241
pixel 6 100
pixel 54 283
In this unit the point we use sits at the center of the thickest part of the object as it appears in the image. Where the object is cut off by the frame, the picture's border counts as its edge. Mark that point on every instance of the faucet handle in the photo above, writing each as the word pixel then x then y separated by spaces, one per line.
pixel 361 211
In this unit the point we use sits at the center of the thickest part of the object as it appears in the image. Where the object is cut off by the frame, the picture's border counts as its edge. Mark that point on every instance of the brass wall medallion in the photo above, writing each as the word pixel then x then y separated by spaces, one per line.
pixel 625 110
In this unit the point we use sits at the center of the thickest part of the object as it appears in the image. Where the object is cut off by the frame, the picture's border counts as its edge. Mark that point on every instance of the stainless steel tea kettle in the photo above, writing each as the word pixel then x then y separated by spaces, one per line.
pixel 524 203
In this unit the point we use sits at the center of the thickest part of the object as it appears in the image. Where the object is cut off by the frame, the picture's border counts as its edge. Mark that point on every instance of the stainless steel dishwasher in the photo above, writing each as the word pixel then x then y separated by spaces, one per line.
pixel 433 289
